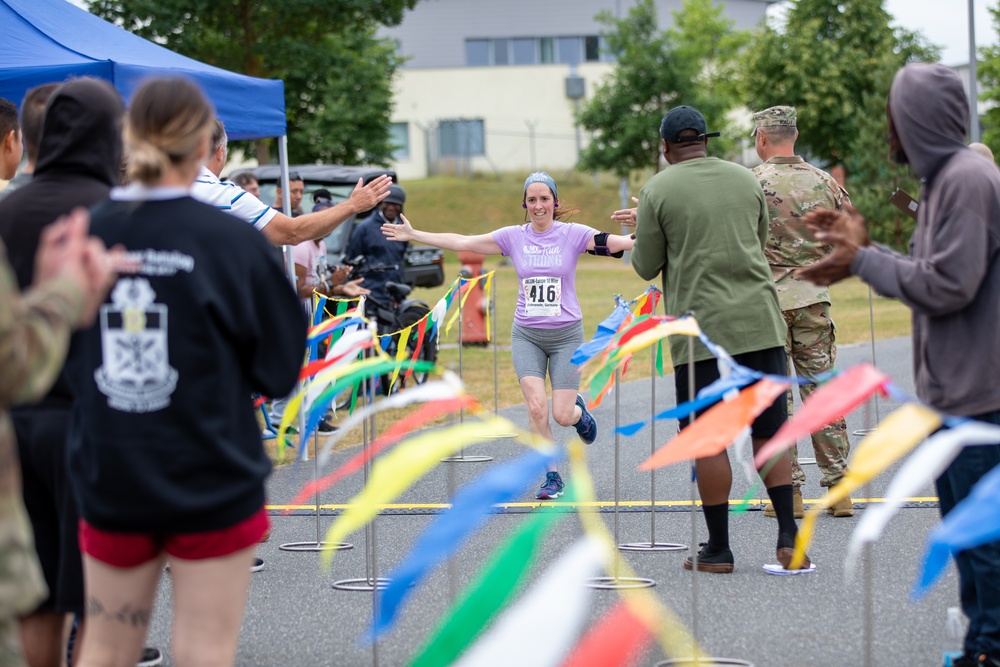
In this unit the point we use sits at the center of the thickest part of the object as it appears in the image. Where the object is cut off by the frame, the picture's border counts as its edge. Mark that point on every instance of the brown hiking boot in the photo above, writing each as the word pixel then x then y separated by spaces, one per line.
pixel 719 562
pixel 841 508
pixel 798 508
pixel 785 551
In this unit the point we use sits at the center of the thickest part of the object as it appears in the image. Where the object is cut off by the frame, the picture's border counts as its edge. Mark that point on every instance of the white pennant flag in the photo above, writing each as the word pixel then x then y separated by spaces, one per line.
pixel 922 467
pixel 530 632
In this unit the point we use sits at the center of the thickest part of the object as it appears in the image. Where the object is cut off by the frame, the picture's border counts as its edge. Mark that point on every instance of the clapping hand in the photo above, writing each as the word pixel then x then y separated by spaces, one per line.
pixel 626 216
pixel 846 232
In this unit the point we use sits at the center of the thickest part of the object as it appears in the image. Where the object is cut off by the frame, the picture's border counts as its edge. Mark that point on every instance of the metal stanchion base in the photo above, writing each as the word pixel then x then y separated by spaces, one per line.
pixel 704 662
pixel 619 583
pixel 464 458
pixel 864 431
pixel 502 435
pixel 315 546
pixel 653 546
pixel 361 584
pixel 807 462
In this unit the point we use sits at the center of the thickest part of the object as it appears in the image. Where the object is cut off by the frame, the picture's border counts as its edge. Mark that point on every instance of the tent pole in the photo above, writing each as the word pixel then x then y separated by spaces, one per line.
pixel 286 207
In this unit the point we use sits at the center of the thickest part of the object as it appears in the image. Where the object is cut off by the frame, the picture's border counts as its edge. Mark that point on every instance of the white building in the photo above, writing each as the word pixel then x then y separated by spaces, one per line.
pixel 491 86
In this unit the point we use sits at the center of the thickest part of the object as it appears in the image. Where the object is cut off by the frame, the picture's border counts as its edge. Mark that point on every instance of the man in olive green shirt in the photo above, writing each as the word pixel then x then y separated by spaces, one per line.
pixel 702 223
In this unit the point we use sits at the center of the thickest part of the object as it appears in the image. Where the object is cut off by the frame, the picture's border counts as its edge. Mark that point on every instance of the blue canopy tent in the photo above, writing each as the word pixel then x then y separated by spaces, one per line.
pixel 43 41
pixel 46 41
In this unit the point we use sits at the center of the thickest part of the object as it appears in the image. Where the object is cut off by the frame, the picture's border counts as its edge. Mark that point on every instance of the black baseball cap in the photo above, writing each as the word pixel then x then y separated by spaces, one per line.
pixel 683 118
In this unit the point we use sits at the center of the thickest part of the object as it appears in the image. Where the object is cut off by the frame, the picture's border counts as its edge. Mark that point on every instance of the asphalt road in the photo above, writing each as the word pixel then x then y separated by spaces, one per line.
pixel 295 617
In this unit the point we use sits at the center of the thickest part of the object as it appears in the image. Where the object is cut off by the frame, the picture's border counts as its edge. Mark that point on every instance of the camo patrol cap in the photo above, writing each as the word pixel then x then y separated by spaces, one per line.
pixel 773 117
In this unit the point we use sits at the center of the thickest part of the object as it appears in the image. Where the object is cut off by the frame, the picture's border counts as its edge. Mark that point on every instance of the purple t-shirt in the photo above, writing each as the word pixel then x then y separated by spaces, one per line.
pixel 546 270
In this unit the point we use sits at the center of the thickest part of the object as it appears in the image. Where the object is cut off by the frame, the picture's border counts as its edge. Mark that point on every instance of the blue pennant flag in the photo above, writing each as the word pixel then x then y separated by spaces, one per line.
pixel 469 510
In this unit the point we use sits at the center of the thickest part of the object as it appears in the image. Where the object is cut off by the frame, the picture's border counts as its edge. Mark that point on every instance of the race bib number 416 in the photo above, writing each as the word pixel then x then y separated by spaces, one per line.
pixel 542 296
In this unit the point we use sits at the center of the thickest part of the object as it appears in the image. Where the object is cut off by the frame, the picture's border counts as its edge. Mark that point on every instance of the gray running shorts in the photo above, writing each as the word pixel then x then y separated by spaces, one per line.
pixel 535 350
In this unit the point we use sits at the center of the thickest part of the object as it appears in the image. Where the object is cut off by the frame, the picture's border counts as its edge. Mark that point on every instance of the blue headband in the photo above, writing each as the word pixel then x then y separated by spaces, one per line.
pixel 541 177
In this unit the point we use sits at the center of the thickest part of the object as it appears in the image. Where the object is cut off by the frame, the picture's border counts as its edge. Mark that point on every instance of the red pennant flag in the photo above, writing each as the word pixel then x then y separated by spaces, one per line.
pixel 618 639
pixel 827 404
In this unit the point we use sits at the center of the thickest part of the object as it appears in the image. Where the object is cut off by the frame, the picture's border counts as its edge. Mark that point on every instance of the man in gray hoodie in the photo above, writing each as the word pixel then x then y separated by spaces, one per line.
pixel 951 281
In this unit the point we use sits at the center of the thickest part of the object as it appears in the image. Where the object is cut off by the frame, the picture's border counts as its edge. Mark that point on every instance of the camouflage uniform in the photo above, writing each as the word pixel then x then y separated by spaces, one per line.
pixel 34 337
pixel 792 188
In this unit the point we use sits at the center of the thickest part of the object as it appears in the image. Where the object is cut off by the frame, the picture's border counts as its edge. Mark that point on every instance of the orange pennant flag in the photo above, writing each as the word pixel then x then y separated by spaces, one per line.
pixel 714 431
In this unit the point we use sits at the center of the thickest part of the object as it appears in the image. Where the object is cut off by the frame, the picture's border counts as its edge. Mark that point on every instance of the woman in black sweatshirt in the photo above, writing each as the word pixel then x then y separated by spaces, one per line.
pixel 164 449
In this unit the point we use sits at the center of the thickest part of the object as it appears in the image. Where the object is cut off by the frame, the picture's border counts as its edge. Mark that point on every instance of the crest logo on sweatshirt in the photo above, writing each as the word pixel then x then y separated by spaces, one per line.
pixel 136 375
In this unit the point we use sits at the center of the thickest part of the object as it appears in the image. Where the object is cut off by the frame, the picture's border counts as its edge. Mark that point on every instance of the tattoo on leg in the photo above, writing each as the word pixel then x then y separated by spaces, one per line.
pixel 127 615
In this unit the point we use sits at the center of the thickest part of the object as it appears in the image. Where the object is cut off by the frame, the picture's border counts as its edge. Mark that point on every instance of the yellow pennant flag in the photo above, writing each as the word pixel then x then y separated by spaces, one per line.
pixel 396 471
pixel 899 433
pixel 401 353
pixel 685 326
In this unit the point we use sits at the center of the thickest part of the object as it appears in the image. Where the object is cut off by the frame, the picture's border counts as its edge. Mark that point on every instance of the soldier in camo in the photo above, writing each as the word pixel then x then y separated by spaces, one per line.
pixel 73 275
pixel 792 188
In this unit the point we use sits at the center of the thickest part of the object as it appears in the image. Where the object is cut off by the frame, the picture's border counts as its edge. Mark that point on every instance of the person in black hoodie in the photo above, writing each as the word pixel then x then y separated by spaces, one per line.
pixel 164 449
pixel 77 160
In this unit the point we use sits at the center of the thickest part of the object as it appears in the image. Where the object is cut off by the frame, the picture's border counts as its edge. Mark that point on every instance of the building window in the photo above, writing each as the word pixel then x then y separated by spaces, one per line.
pixel 546 50
pixel 399 135
pixel 536 50
pixel 500 52
pixel 570 50
pixel 477 52
pixel 461 138
pixel 524 51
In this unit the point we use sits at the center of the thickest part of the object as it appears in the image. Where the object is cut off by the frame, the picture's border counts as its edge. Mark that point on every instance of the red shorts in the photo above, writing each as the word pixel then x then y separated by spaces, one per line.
pixel 133 549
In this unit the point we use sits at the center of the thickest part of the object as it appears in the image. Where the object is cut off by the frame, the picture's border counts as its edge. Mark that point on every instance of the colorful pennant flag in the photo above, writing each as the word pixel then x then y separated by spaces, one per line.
pixel 497 583
pixel 827 404
pixel 717 428
pixel 707 397
pixel 399 469
pixel 618 639
pixel 529 633
pixel 469 510
pixel 606 331
pixel 898 433
pixel 971 523
pixel 399 430
pixel 673 637
pixel 926 464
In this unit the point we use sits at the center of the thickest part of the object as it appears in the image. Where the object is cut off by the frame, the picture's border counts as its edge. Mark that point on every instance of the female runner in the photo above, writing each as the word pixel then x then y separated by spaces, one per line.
pixel 548 323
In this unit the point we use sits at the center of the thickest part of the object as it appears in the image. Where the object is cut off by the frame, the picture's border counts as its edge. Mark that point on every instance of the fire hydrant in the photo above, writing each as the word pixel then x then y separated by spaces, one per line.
pixel 474 311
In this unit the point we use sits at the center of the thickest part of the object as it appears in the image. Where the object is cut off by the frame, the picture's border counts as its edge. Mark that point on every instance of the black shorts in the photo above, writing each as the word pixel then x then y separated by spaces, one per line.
pixel 48 497
pixel 771 360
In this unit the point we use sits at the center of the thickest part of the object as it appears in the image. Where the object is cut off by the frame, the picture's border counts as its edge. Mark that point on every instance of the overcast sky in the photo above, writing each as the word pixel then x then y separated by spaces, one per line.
pixel 944 22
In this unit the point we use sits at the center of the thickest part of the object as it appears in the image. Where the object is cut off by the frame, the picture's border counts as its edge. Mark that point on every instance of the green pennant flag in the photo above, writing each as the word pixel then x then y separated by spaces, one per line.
pixel 500 580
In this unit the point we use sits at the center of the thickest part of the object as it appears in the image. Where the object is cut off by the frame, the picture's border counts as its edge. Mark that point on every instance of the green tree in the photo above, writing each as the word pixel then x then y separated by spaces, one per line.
pixel 834 61
pixel 654 71
pixel 988 71
pixel 337 75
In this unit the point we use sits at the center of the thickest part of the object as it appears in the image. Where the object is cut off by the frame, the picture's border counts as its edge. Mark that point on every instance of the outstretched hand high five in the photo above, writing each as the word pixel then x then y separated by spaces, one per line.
pixel 401 232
